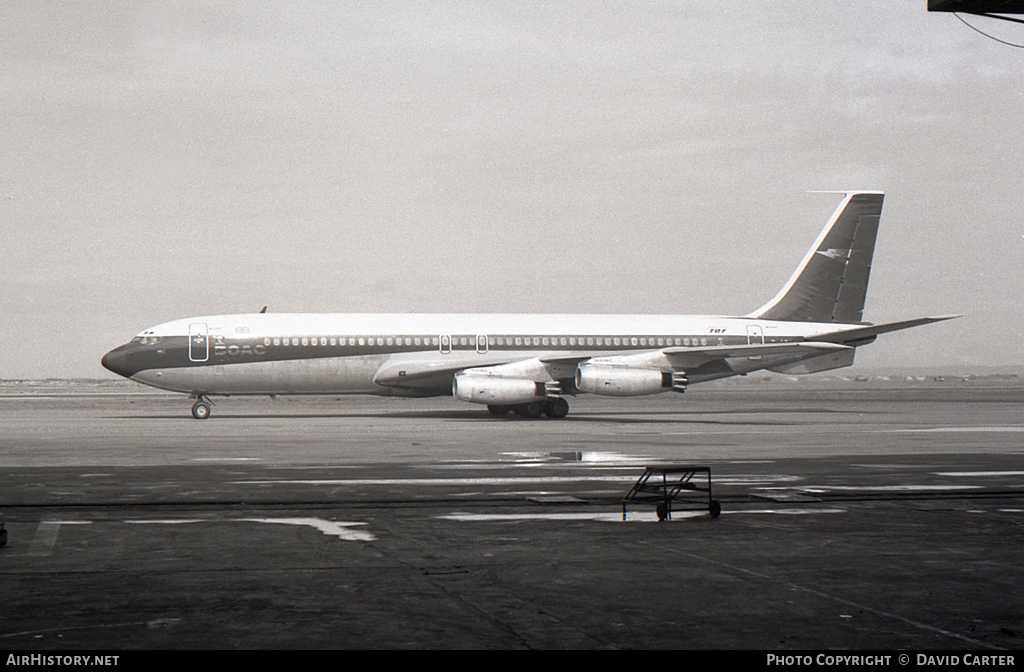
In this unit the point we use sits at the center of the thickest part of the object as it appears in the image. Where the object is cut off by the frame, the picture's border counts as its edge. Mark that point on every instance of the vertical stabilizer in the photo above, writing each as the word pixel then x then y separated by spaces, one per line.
pixel 832 280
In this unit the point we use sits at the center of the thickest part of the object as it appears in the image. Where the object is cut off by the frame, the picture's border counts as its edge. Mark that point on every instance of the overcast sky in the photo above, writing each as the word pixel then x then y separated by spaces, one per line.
pixel 167 159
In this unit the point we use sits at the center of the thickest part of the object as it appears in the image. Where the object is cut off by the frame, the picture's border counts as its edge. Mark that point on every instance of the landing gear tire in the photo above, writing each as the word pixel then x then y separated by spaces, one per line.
pixel 556 407
pixel 500 411
pixel 201 410
pixel 530 410
pixel 715 508
pixel 662 511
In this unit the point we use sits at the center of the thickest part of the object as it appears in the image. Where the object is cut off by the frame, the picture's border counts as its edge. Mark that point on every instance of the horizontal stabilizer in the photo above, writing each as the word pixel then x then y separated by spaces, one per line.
pixel 862 333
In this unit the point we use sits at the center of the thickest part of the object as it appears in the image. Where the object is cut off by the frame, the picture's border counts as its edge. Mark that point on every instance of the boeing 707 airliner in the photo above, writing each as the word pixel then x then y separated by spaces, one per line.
pixel 527 364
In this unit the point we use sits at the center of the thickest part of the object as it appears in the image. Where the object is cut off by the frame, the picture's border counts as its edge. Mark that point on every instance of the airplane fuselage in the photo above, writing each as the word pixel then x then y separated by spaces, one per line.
pixel 365 353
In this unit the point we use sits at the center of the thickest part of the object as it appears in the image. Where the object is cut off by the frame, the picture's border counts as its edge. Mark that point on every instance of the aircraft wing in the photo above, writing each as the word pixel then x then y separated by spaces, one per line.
pixel 428 373
pixel 753 350
pixel 683 358
pixel 423 373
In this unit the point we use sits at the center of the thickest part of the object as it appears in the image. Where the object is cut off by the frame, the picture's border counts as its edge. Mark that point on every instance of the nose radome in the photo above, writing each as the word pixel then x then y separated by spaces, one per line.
pixel 116 361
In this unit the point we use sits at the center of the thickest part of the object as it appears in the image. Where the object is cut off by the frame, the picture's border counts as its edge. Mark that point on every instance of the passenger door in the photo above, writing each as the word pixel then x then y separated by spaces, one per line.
pixel 755 336
pixel 198 342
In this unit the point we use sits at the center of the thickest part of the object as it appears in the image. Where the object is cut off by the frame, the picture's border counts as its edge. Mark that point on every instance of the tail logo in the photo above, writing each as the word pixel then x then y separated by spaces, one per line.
pixel 833 253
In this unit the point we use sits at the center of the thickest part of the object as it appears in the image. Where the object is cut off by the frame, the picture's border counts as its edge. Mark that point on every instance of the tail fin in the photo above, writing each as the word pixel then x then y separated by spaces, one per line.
pixel 832 280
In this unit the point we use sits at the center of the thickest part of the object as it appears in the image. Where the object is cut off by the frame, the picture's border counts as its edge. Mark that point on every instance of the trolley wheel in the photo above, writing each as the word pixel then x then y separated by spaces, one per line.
pixel 714 508
pixel 200 410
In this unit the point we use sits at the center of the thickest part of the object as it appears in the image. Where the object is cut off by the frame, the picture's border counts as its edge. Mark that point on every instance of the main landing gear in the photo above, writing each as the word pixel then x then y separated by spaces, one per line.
pixel 553 407
pixel 202 408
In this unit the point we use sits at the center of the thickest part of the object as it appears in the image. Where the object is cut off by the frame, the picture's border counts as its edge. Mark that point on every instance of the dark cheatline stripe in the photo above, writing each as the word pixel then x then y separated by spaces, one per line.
pixel 173 351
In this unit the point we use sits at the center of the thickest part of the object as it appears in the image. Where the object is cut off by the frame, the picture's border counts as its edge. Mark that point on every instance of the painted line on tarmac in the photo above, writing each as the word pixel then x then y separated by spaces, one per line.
pixel 504 480
pixel 46 536
pixel 155 623
pixel 980 474
pixel 881 488
pixel 1004 428
pixel 226 459
pixel 330 528
pixel 616 516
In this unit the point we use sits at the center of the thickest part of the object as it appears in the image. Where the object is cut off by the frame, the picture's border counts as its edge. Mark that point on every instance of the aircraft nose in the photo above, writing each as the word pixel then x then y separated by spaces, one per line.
pixel 116 361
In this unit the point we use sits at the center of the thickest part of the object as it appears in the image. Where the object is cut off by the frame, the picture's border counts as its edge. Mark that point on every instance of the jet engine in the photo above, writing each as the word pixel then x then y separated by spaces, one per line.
pixel 621 381
pixel 496 390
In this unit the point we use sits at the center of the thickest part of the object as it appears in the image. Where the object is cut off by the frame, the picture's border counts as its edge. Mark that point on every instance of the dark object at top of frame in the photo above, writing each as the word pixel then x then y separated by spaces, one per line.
pixel 977 6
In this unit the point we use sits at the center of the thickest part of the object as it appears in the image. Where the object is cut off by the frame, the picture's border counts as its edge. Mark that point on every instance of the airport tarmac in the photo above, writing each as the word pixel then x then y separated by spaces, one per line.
pixel 879 514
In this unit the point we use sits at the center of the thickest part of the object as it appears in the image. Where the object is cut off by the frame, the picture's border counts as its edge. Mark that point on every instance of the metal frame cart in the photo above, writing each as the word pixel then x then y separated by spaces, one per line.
pixel 675 478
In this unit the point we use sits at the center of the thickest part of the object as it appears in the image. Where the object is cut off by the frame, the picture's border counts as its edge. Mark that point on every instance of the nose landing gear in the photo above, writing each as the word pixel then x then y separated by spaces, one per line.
pixel 202 408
